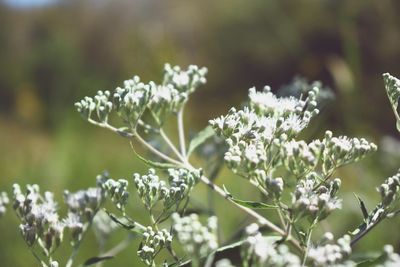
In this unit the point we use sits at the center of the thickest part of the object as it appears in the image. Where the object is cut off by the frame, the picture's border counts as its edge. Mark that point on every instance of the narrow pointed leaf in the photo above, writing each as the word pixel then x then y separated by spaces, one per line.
pixel 154 164
pixel 249 204
pixel 362 206
pixel 199 139
pixel 130 225
pixel 94 260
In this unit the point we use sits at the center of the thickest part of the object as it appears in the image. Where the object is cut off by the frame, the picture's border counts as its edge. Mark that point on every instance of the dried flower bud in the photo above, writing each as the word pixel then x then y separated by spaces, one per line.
pixel 74 224
pixel 39 218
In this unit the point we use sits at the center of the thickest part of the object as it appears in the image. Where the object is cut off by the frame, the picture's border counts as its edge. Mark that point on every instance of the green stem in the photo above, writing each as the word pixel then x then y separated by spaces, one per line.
pixel 181 133
pixel 260 219
pixel 309 234
pixel 367 229
pixel 77 245
pixel 155 151
pixel 281 216
pixel 153 221
pixel 171 145
pixel 120 246
pixel 37 257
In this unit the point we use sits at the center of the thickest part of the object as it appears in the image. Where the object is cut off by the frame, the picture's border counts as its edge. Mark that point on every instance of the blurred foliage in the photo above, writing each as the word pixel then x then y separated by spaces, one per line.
pixel 50 56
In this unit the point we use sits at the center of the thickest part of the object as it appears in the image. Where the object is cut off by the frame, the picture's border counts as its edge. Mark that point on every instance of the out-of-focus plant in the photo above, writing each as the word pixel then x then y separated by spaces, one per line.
pixel 295 178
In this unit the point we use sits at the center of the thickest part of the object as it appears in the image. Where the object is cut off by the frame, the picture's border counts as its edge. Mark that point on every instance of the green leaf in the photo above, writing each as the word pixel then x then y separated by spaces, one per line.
pixel 369 260
pixel 199 139
pixel 249 204
pixel 362 206
pixel 94 260
pixel 126 224
pixel 253 204
pixel 154 164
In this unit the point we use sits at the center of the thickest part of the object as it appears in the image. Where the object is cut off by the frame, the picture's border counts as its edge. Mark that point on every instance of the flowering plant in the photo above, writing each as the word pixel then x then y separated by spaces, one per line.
pixel 259 143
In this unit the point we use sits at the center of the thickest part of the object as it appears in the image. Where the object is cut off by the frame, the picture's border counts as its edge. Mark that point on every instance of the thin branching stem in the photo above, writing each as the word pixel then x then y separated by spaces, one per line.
pixel 120 246
pixel 78 245
pixel 155 151
pixel 360 235
pixel 260 219
pixel 181 133
pixel 308 242
pixel 171 145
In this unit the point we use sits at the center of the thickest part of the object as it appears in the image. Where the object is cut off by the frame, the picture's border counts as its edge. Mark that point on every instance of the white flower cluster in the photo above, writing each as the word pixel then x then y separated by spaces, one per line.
pixel 4 201
pixel 262 251
pixel 389 258
pixel 39 219
pixel 392 86
pixel 262 137
pixel 342 150
pixel 300 158
pixel 185 81
pixel 331 254
pixel 117 191
pixel 314 201
pixel 255 133
pixel 152 189
pixel 273 186
pixel 224 263
pixel 196 239
pixel 152 243
pixel 132 99
pixel 267 104
pixel 85 203
pixel 389 190
pixel 100 105
pixel 75 225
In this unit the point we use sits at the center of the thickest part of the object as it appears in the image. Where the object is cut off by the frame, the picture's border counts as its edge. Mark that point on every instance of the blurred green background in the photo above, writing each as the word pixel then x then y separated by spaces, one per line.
pixel 52 54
